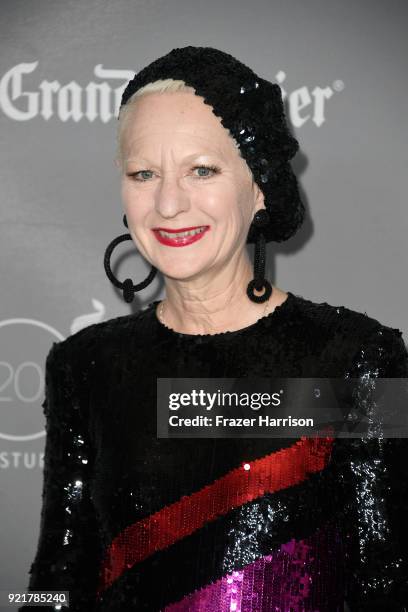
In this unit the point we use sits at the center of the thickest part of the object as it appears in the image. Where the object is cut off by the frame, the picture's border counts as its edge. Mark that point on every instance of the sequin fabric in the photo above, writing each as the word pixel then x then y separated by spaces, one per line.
pixel 133 522
pixel 283 580
pixel 249 481
pixel 251 109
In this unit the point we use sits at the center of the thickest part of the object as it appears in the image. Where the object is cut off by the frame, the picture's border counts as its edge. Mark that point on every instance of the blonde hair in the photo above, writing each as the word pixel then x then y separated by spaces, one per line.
pixel 159 86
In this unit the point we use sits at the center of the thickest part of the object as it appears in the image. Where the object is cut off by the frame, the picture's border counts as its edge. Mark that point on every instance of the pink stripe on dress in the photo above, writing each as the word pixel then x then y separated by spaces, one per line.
pixel 301 576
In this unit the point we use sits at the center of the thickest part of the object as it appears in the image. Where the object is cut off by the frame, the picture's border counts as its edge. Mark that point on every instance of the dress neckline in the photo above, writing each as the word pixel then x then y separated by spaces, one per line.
pixel 266 319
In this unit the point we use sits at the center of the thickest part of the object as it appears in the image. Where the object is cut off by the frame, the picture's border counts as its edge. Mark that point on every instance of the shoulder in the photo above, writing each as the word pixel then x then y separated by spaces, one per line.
pixel 81 348
pixel 333 317
pixel 365 342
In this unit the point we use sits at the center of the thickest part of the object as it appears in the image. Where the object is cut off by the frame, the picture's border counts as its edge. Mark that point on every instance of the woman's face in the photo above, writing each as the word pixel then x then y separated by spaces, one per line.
pixel 170 142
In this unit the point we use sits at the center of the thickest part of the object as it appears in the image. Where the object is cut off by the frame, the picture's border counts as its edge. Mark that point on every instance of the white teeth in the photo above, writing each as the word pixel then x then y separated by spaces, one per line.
pixel 182 234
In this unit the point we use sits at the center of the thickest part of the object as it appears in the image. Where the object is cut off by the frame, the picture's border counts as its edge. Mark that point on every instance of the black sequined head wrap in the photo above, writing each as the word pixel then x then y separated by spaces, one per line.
pixel 251 108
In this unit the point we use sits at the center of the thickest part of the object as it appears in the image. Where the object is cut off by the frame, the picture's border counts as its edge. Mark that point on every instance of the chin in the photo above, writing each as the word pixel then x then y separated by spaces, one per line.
pixel 183 272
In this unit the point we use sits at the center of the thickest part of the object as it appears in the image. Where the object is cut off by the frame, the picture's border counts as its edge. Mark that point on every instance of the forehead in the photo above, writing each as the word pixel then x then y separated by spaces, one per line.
pixel 177 118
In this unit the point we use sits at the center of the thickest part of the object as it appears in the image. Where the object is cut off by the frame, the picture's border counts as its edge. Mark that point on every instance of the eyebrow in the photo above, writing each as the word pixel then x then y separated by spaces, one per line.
pixel 185 159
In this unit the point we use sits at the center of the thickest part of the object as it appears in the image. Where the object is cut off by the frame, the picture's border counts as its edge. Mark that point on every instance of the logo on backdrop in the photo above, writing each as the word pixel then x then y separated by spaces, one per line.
pixel 22 378
pixel 100 99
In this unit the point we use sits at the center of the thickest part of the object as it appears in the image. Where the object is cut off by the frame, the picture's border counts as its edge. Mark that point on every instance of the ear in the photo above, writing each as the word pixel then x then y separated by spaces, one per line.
pixel 259 197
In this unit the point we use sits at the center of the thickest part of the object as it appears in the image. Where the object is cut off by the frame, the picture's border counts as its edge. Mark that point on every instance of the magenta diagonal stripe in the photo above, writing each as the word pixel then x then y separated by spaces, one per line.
pixel 302 575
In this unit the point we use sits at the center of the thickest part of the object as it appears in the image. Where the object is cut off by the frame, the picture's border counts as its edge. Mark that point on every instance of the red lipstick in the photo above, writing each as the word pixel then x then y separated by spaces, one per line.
pixel 179 241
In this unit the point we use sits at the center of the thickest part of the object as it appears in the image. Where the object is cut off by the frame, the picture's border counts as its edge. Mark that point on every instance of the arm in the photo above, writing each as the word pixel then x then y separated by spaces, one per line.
pixel 379 467
pixel 68 553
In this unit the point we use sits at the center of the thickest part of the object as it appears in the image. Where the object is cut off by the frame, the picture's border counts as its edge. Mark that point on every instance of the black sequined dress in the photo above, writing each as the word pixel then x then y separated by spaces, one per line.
pixel 133 522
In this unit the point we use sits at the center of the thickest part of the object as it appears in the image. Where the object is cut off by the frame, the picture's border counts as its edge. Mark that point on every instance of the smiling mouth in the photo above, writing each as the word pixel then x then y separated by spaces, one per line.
pixel 180 237
pixel 176 234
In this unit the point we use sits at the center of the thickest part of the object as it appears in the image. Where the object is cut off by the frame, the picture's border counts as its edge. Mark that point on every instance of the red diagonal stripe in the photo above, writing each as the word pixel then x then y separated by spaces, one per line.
pixel 274 472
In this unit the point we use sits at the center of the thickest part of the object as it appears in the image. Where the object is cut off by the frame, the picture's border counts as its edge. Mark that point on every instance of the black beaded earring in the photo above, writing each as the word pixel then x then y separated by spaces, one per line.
pixel 128 288
pixel 260 220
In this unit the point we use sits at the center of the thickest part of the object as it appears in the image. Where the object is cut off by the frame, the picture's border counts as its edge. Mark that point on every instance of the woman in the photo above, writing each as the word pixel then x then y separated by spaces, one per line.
pixel 131 521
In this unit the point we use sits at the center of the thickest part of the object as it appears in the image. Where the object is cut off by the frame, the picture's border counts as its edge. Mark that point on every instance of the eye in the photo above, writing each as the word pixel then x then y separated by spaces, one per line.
pixel 213 169
pixel 134 175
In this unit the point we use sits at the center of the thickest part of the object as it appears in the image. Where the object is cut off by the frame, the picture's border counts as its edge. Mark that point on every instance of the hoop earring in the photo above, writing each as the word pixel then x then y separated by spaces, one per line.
pixel 260 220
pixel 128 288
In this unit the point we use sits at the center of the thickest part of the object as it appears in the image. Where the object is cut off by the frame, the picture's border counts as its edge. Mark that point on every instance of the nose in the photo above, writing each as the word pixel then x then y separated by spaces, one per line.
pixel 171 199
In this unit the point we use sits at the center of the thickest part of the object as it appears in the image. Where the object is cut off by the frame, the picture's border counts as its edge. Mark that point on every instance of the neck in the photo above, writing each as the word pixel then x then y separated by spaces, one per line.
pixel 201 307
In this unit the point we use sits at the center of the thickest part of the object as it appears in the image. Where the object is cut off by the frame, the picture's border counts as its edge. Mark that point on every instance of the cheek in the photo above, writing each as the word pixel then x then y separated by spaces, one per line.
pixel 233 208
pixel 135 204
pixel 222 203
pixel 239 216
